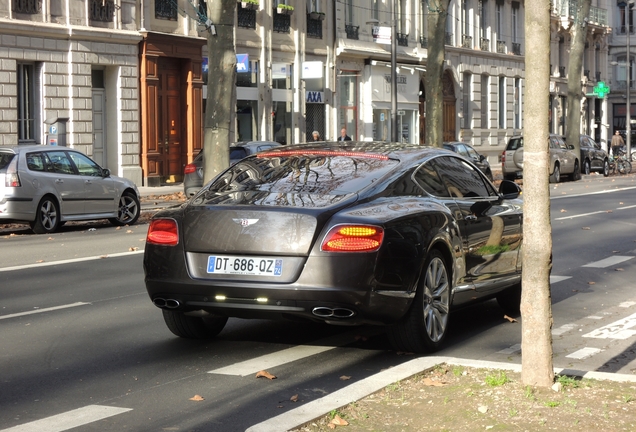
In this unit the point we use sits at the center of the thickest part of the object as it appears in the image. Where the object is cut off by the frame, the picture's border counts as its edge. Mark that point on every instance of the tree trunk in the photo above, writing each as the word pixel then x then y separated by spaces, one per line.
pixel 221 99
pixel 434 72
pixel 536 308
pixel 578 32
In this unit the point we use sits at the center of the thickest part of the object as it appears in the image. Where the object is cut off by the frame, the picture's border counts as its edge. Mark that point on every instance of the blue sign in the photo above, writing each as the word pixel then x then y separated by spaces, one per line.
pixel 242 63
pixel 204 65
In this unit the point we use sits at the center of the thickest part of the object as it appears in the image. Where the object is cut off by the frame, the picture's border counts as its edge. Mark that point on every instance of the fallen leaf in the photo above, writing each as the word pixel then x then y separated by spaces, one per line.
pixel 619 269
pixel 133 248
pixel 338 421
pixel 483 409
pixel 429 382
pixel 591 283
pixel 564 211
pixel 197 398
pixel 118 228
pixel 265 374
pixel 294 398
pixel 509 318
pixel 610 211
pixel 50 238
pixel 331 426
pixel 620 203
pixel 586 228
pixel 345 378
pixel 129 231
pixel 575 290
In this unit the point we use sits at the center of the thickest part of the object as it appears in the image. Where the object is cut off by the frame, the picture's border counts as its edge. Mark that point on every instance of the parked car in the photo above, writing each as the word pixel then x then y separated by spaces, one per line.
pixel 193 172
pixel 562 159
pixel 47 186
pixel 471 154
pixel 593 156
pixel 343 233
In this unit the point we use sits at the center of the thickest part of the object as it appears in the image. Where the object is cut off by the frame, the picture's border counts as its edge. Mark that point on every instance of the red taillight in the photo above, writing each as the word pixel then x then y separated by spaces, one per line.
pixel 189 169
pixel 11 178
pixel 353 238
pixel 163 232
pixel 503 157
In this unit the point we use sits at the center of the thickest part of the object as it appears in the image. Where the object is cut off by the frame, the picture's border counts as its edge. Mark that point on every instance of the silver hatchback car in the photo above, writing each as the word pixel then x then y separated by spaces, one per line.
pixel 47 186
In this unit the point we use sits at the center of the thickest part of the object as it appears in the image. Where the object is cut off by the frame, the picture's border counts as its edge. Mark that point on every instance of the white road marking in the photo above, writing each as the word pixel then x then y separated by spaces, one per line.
pixel 36 311
pixel 607 262
pixel 555 279
pixel 625 208
pixel 627 304
pixel 563 329
pixel 581 215
pixel 584 353
pixel 592 193
pixel 516 348
pixel 70 419
pixel 68 261
pixel 594 317
pixel 621 329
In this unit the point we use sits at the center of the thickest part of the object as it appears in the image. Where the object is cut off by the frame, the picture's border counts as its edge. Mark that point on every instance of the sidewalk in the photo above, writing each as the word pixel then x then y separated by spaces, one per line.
pixel 157 198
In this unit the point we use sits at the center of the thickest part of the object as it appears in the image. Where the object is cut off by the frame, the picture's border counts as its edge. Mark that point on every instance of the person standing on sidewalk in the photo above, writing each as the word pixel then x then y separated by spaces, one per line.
pixel 617 143
pixel 343 135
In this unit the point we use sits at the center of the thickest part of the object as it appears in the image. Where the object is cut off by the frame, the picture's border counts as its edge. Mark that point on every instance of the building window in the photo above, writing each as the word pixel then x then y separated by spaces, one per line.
pixel 348 104
pixel 515 21
pixel 166 9
pixel 248 78
pixel 245 18
pixel 349 12
pixel 626 17
pixel 28 103
pixel 376 9
pixel 282 76
pixel 27 7
pixel 518 103
pixel 484 101
pixel 467 97
pixel 501 103
pixel 282 22
pixel 102 10
pixel 499 19
pixel 314 27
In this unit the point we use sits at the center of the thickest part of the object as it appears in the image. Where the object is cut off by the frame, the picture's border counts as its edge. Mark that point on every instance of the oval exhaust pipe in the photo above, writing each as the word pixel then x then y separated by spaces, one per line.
pixel 172 304
pixel 327 312
pixel 159 302
pixel 166 303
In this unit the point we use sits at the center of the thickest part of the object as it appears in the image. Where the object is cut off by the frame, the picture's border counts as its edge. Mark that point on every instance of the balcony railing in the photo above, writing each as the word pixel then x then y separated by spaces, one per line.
pixel 166 9
pixel 314 27
pixel 467 41
pixel 501 47
pixel 402 39
pixel 568 8
pixel 423 42
pixel 282 22
pixel 352 31
pixel 516 48
pixel 484 44
pixel 246 17
pixel 27 6
pixel 103 11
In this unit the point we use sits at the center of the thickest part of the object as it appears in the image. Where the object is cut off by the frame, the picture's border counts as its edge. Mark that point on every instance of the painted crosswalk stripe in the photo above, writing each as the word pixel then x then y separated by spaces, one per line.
pixel 563 329
pixel 36 311
pixel 581 215
pixel 621 329
pixel 607 262
pixel 584 353
pixel 69 420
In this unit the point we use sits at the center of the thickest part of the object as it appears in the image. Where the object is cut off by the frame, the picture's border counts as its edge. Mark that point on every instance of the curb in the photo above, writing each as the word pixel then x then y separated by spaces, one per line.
pixel 363 388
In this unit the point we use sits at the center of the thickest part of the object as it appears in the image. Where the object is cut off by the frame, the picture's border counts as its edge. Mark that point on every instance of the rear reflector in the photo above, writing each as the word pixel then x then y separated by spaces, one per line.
pixel 163 232
pixel 189 169
pixel 353 238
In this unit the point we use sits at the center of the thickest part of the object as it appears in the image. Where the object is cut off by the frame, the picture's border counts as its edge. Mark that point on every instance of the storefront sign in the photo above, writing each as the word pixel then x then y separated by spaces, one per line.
pixel 242 63
pixel 381 35
pixel 315 97
pixel 280 70
pixel 312 69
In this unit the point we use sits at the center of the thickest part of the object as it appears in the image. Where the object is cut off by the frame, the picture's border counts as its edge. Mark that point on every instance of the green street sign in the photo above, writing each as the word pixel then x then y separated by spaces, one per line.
pixel 601 89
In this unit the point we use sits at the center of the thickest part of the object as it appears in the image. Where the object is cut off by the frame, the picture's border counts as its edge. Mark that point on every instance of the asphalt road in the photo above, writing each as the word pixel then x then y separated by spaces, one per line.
pixel 83 347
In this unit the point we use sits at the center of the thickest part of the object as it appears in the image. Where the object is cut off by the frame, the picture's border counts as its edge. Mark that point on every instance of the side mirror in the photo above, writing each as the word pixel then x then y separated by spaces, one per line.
pixel 105 172
pixel 509 189
pixel 481 158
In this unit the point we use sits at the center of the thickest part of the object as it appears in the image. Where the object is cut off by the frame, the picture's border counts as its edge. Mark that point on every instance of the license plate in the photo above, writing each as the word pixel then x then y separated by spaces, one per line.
pixel 253 266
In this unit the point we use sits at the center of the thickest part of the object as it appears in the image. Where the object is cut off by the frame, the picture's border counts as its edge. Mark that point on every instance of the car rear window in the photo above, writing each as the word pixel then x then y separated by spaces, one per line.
pixel 515 143
pixel 5 158
pixel 318 174
pixel 237 153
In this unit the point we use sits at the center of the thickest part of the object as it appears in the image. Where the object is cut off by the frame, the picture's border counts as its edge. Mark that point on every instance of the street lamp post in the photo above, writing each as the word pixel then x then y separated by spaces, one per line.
pixel 628 112
pixel 394 92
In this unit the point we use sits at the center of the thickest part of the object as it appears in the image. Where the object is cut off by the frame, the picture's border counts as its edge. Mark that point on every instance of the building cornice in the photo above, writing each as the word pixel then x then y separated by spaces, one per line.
pixel 58 31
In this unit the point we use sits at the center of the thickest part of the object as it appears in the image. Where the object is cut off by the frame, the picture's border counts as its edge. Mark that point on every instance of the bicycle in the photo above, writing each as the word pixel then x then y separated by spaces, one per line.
pixel 620 164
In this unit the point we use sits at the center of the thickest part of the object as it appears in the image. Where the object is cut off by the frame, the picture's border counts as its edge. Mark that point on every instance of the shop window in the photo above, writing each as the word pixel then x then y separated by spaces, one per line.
pixel 28 102
pixel 348 104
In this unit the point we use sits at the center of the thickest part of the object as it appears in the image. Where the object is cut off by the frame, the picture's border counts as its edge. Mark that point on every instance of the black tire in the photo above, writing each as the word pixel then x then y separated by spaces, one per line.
pixel 426 323
pixel 555 177
pixel 190 327
pixel 510 177
pixel 128 210
pixel 510 300
pixel 47 216
pixel 576 174
pixel 606 168
pixel 586 167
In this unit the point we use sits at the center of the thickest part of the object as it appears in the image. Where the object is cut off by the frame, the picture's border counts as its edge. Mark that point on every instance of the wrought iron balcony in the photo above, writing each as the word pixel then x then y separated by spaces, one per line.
pixel 423 42
pixel 352 31
pixel 501 47
pixel 27 6
pixel 282 22
pixel 516 48
pixel 166 9
pixel 402 39
pixel 467 41
pixel 484 44
pixel 568 8
pixel 103 11
pixel 314 27
pixel 246 18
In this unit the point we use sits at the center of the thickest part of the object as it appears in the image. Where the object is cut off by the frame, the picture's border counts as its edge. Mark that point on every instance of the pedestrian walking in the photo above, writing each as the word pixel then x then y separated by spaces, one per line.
pixel 343 135
pixel 617 143
pixel 315 135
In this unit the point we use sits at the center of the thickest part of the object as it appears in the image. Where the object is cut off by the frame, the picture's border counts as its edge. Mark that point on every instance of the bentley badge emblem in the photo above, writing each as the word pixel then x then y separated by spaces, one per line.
pixel 245 222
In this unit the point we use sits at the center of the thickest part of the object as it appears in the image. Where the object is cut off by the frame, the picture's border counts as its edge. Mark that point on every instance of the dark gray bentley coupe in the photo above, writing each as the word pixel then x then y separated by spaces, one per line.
pixel 344 233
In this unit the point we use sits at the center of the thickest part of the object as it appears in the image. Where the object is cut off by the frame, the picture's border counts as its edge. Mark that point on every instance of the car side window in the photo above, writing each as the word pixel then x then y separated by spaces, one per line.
pixel 35 162
pixel 428 179
pixel 60 162
pixel 85 166
pixel 461 179
pixel 472 154
pixel 461 149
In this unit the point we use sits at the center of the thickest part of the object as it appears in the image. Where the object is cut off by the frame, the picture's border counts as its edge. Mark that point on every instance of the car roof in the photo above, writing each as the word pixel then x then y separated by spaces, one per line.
pixel 32 147
pixel 253 143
